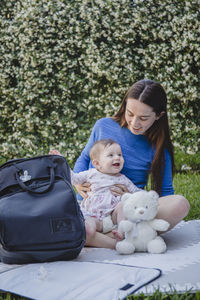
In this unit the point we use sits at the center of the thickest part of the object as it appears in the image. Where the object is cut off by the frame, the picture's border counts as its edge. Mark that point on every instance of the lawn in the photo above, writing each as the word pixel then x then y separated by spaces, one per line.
pixel 188 185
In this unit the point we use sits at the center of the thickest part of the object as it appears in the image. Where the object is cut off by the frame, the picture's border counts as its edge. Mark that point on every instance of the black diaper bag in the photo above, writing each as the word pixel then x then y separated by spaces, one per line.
pixel 40 218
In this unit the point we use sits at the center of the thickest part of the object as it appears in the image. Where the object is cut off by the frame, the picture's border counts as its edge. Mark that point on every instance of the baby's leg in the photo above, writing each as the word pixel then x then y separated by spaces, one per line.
pixel 92 225
pixel 117 217
pixel 117 214
pixel 117 235
pixel 99 225
pixel 97 239
pixel 100 240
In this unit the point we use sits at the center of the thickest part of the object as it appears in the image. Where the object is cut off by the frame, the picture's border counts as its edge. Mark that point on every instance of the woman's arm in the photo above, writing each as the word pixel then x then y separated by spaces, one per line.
pixel 82 164
pixel 83 161
pixel 167 185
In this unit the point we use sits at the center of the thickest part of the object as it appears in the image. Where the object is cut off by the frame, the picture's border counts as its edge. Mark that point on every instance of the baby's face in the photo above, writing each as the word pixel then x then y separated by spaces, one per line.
pixel 111 160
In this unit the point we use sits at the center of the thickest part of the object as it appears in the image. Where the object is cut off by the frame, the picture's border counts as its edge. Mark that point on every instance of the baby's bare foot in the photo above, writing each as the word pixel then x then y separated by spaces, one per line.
pixel 117 235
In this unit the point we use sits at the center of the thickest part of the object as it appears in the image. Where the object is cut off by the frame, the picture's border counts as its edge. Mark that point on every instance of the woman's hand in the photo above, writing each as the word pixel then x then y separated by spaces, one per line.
pixel 119 189
pixel 83 189
pixel 56 152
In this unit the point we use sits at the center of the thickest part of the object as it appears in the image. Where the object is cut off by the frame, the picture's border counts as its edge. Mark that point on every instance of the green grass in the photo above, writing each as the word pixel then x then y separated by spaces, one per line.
pixel 186 184
pixel 160 296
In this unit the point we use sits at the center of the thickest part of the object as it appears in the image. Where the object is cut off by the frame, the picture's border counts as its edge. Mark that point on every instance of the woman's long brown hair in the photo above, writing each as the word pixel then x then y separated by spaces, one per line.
pixel 152 94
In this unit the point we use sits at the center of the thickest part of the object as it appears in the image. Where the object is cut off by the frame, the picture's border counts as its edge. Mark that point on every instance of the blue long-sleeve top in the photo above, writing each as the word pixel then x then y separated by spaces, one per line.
pixel 137 152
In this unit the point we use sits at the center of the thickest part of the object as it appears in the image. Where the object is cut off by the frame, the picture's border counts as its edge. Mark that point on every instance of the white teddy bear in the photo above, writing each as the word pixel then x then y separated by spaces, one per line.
pixel 140 227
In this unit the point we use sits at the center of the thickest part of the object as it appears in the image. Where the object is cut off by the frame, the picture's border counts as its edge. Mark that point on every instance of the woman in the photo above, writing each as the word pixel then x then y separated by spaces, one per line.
pixel 141 128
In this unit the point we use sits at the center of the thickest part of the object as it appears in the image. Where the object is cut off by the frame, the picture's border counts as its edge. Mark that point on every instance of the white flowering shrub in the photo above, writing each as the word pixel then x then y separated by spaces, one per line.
pixel 64 64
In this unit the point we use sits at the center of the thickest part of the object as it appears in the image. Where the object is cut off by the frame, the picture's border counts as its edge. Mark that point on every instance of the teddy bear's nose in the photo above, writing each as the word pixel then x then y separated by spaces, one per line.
pixel 141 212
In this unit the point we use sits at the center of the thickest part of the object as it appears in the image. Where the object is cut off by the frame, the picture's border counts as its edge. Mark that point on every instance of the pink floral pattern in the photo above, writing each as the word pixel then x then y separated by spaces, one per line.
pixel 100 201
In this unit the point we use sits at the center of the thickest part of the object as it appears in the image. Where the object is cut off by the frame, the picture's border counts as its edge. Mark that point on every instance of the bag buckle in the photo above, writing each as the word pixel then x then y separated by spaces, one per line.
pixel 25 177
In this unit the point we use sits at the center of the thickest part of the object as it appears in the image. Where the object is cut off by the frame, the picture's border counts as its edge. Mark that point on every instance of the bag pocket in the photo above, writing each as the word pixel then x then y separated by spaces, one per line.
pixel 40 221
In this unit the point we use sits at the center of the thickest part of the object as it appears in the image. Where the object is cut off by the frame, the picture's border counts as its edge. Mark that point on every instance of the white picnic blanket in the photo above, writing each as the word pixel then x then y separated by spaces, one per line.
pixel 180 264
pixel 76 280
pixel 104 274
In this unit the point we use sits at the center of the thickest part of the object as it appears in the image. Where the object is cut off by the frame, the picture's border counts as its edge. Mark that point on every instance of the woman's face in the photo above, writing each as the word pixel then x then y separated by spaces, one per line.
pixel 139 116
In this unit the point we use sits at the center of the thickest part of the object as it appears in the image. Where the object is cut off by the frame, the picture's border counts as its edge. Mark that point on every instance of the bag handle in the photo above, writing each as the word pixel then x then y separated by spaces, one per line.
pixel 28 189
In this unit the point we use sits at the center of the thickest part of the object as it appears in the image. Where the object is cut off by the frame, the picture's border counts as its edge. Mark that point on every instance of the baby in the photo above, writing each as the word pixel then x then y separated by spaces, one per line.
pixel 101 208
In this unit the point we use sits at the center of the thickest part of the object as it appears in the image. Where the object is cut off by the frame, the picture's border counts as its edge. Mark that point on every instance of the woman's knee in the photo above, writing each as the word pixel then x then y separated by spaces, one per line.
pixel 182 206
pixel 173 208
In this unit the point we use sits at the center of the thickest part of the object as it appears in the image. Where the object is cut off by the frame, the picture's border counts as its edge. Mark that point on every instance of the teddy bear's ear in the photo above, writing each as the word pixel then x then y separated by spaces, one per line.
pixel 154 195
pixel 125 197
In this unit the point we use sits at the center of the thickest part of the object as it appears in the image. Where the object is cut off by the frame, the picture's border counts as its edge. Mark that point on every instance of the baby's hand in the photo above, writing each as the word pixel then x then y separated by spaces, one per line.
pixel 54 152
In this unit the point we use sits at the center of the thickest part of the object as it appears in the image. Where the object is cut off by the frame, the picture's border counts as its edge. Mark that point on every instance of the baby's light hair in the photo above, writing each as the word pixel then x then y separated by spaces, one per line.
pixel 95 149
